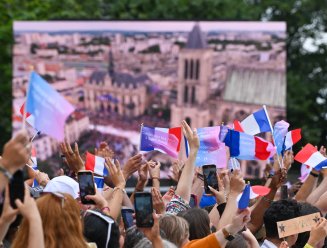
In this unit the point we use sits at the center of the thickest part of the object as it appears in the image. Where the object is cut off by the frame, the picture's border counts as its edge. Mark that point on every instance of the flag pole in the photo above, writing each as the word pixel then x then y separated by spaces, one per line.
pixel 272 132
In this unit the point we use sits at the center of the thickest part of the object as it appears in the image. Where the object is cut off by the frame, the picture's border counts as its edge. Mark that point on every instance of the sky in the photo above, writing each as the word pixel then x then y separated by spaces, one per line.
pixel 157 26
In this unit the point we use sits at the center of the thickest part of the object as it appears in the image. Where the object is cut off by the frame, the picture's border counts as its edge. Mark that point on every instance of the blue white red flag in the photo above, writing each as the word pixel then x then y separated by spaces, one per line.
pixel 258 122
pixel 309 155
pixel 291 138
pixel 249 193
pixel 48 107
pixel 96 164
pixel 247 147
pixel 165 140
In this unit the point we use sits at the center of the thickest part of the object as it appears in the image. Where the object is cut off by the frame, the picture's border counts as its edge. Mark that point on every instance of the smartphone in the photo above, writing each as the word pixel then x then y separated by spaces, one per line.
pixel 210 177
pixel 193 201
pixel 86 186
pixel 283 192
pixel 17 188
pixel 143 209
pixel 127 215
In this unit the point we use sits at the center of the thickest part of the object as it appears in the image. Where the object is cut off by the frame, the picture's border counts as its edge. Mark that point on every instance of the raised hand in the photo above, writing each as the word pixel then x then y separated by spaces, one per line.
pixel 143 172
pixel 279 178
pixel 318 233
pixel 104 151
pixel 154 169
pixel 191 136
pixel 153 233
pixel 73 158
pixel 237 183
pixel 99 200
pixel 42 178
pixel 16 152
pixel 28 209
pixel 116 173
pixel 9 214
pixel 132 165
pixel 239 221
pixel 176 170
pixel 288 159
pixel 220 194
pixel 168 196
pixel 157 201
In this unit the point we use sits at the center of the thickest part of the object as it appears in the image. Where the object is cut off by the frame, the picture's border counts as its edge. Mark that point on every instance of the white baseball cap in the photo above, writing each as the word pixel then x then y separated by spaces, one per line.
pixel 63 184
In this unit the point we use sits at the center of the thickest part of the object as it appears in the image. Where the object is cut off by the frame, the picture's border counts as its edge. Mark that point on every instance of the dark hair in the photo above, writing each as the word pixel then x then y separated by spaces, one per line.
pixel 133 236
pixel 305 209
pixel 96 230
pixel 237 242
pixel 199 222
pixel 279 211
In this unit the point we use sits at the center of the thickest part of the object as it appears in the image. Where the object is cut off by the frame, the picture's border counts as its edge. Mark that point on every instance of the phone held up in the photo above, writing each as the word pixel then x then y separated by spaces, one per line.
pixel 143 209
pixel 210 177
pixel 127 215
pixel 16 188
pixel 86 186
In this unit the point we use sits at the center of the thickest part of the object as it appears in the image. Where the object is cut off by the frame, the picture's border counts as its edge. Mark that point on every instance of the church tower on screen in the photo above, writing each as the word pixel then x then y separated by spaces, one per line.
pixel 194 73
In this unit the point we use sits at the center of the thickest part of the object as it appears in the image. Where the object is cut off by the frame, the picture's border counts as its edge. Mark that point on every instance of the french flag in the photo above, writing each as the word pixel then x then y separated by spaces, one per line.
pixel 96 164
pixel 165 140
pixel 29 117
pixel 99 182
pixel 310 156
pixel 247 147
pixel 291 138
pixel 258 122
pixel 251 192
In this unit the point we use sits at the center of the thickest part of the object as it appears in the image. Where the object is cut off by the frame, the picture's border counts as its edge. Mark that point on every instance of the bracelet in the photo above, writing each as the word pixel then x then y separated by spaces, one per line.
pixel 308 246
pixel 117 188
pixel 314 174
pixel 5 172
pixel 267 200
pixel 155 178
pixel 105 208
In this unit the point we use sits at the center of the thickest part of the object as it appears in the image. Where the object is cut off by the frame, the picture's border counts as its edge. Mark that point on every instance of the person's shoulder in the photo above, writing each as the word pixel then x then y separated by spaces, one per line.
pixel 207 242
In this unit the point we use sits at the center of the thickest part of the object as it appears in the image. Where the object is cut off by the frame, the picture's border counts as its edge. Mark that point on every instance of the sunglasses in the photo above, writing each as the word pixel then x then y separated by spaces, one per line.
pixel 106 219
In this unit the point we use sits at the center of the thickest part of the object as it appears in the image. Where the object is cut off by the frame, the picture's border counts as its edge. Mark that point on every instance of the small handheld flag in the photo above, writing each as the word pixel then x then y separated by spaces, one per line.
pixel 247 147
pixel 244 201
pixel 165 140
pixel 49 108
pixel 292 137
pixel 96 164
pixel 251 192
pixel 309 155
pixel 258 122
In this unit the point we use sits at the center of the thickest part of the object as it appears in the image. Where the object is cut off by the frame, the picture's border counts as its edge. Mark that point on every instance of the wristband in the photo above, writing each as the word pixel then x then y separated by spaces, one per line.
pixel 5 172
pixel 117 188
pixel 314 174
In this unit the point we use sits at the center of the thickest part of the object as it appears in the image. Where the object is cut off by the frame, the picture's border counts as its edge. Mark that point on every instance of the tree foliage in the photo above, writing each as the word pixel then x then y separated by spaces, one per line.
pixel 307 70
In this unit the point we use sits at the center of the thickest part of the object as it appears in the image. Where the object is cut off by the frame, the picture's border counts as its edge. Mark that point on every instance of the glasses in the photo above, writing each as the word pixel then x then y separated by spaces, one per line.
pixel 106 219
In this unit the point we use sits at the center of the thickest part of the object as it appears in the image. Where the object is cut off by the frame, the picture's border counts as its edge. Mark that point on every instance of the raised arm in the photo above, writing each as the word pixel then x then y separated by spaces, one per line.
pixel 185 184
pixel 307 187
pixel 237 185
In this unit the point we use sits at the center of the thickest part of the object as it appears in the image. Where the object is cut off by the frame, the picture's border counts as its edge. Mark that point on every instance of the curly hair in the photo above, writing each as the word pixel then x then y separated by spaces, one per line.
pixel 279 211
pixel 58 221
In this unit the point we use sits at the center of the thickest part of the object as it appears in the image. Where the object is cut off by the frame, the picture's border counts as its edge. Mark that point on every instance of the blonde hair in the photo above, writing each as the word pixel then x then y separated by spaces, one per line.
pixel 176 229
pixel 62 226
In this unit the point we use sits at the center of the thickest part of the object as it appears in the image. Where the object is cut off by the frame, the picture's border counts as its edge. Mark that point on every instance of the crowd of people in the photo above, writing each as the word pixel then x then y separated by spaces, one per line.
pixel 58 218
